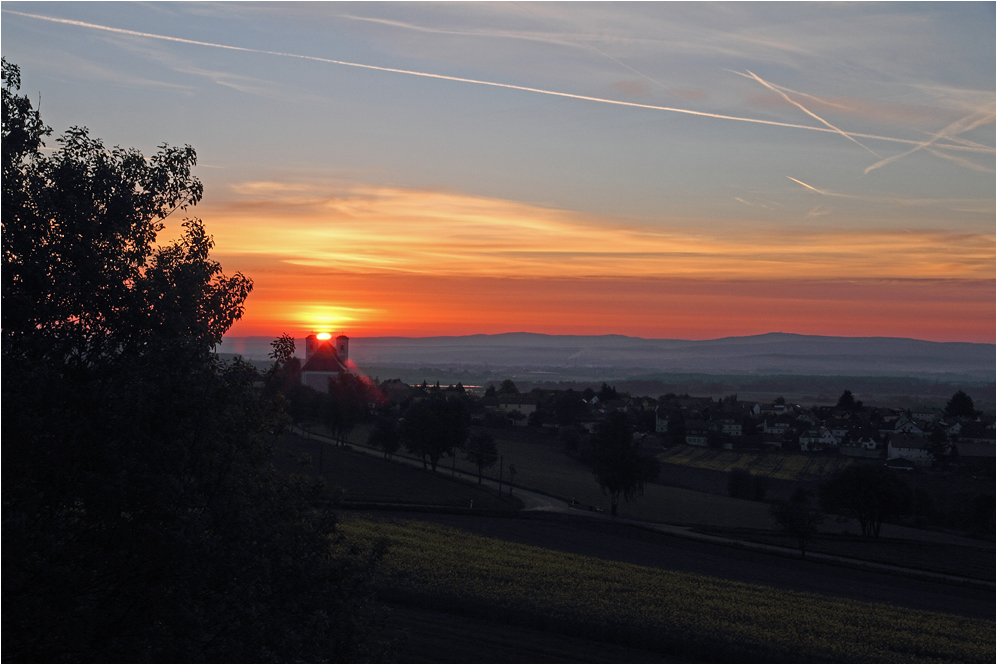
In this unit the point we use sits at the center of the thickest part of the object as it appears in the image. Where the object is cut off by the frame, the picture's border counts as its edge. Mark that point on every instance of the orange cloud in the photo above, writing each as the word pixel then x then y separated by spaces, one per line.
pixel 390 261
pixel 634 88
pixel 368 229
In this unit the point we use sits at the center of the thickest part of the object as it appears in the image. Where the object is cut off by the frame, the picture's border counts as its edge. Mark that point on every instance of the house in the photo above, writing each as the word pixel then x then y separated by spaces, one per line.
pixel 905 425
pixel 395 391
pixel 817 440
pixel 325 359
pixel 696 433
pixel 661 421
pixel 730 427
pixel 524 403
pixel 839 428
pixel 910 447
pixel 775 426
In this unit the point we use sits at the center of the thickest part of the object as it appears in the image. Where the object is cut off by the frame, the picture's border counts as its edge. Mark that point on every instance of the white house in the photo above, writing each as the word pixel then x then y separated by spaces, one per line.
pixel 526 404
pixel 915 449
pixel 817 440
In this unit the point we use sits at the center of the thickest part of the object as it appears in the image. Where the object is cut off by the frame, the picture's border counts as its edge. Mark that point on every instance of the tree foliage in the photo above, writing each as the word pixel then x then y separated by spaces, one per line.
pixel 143 520
pixel 385 436
pixel 798 518
pixel 434 427
pixel 283 349
pixel 868 493
pixel 481 451
pixel 507 387
pixel 961 404
pixel 617 463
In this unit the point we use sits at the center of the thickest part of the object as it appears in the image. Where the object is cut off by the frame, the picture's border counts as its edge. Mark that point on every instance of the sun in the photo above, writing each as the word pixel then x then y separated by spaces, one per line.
pixel 323 336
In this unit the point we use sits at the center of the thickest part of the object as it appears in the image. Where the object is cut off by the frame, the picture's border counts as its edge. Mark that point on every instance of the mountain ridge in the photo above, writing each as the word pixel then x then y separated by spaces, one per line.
pixel 767 353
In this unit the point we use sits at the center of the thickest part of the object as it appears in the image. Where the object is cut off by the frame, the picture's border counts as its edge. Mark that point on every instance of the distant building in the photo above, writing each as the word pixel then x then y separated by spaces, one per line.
pixel 910 447
pixel 325 359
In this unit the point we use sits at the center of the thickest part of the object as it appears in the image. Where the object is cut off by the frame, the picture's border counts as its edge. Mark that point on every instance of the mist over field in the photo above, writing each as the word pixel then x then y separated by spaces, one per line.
pixel 563 356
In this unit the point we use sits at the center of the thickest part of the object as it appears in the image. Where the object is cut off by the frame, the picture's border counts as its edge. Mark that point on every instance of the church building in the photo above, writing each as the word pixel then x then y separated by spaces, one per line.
pixel 325 359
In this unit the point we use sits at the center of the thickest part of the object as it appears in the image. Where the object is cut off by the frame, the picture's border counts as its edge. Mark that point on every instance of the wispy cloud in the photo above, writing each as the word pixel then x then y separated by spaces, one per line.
pixel 365 229
pixel 457 79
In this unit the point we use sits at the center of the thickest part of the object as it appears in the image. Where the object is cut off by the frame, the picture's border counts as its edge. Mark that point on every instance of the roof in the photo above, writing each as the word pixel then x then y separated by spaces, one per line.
pixel 324 359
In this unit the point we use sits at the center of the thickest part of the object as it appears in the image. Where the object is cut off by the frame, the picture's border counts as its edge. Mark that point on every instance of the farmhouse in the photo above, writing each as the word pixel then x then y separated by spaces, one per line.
pixel 325 359
pixel 915 449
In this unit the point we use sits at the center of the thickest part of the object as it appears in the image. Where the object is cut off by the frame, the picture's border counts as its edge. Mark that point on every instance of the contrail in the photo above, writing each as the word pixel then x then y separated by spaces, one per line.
pixel 959 160
pixel 813 115
pixel 953 128
pixel 509 86
pixel 904 203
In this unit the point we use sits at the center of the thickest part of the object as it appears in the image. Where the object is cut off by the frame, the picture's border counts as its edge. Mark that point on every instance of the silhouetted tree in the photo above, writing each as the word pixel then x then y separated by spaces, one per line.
pixel 143 521
pixel 481 451
pixel 960 404
pixel 345 405
pixel 282 349
pixel 607 393
pixel 617 464
pixel 846 400
pixel 434 427
pixel 868 493
pixel 798 518
pixel 507 387
pixel 569 408
pixel 385 436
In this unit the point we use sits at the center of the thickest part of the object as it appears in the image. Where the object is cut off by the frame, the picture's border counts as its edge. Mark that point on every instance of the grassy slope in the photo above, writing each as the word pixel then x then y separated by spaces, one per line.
pixel 541 465
pixel 364 478
pixel 687 616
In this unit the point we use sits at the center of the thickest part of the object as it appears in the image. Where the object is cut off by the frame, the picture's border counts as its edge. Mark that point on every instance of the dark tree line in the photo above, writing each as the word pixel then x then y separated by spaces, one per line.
pixel 143 521
pixel 617 463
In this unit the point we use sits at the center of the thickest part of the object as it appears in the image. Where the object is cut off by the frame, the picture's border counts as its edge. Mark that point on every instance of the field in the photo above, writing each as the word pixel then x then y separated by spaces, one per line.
pixel 364 478
pixel 784 466
pixel 678 614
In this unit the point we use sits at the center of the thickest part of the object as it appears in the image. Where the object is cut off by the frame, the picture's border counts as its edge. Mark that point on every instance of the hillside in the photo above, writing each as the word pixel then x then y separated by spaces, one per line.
pixel 573 356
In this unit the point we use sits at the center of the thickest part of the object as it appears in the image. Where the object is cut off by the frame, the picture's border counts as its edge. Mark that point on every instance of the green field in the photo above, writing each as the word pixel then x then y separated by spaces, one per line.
pixel 542 465
pixel 786 466
pixel 692 617
pixel 365 478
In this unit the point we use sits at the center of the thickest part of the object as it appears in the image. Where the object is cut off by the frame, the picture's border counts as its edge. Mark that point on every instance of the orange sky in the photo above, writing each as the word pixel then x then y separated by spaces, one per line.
pixel 388 261
pixel 664 170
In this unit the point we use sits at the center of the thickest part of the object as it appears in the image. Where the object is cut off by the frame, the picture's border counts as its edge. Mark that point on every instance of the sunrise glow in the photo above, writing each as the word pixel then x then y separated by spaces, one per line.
pixel 652 169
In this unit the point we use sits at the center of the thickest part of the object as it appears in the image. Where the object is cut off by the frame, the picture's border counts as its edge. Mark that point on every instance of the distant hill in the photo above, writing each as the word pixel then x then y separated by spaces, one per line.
pixel 768 354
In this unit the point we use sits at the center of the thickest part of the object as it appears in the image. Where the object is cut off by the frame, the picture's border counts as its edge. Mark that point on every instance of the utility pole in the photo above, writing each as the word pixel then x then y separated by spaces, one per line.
pixel 500 476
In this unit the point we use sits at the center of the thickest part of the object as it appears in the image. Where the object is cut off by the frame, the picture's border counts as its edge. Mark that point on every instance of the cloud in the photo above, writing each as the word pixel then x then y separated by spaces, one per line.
pixel 692 94
pixel 494 84
pixel 633 88
pixel 368 229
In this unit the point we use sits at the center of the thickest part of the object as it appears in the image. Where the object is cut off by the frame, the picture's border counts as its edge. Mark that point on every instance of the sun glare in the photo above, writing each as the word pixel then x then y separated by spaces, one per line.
pixel 323 336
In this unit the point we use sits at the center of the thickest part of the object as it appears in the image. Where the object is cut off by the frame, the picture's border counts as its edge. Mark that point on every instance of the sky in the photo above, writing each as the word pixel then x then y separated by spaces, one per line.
pixel 661 170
